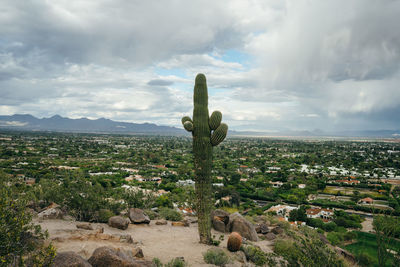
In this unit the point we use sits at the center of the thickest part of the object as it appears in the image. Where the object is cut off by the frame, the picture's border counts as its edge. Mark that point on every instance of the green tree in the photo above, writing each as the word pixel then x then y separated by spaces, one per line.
pixel 385 227
pixel 21 241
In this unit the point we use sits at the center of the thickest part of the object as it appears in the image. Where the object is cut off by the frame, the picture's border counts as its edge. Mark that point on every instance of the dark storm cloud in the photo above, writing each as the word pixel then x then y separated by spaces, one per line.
pixel 116 32
pixel 314 64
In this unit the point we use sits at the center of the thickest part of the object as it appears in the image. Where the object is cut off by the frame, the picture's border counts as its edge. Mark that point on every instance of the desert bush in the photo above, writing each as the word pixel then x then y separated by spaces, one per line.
pixel 216 256
pixel 103 215
pixel 363 259
pixel 21 241
pixel 350 235
pixel 156 262
pixel 306 249
pixel 335 238
pixel 255 255
pixel 152 214
pixel 177 262
pixel 170 214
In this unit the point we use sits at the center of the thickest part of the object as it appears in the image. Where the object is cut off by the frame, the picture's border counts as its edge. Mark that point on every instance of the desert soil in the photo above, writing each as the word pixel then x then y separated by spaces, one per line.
pixel 165 242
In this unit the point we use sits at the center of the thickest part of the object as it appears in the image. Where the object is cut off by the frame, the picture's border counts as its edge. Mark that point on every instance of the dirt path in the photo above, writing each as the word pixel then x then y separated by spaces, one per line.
pixel 367 225
pixel 157 241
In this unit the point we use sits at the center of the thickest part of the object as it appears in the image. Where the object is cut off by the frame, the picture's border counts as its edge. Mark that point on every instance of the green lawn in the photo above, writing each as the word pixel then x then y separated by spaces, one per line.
pixel 366 243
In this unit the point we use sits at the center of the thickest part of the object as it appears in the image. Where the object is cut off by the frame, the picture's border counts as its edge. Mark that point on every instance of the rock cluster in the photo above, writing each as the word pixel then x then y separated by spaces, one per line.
pixel 103 257
pixel 224 222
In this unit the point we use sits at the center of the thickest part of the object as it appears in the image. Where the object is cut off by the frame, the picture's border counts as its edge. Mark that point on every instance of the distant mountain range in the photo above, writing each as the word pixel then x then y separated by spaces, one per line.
pixel 27 122
pixel 60 124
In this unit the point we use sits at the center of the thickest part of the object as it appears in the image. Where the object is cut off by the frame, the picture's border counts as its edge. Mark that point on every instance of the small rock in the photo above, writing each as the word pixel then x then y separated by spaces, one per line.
pixel 240 256
pixel 58 239
pixel 180 223
pixel 138 253
pixel 68 218
pixel 277 230
pixel 118 222
pixel 103 236
pixel 218 224
pixel 161 222
pixel 264 228
pixel 69 259
pixel 100 229
pixel 138 216
pixel 86 226
pixel 270 236
pixel 126 239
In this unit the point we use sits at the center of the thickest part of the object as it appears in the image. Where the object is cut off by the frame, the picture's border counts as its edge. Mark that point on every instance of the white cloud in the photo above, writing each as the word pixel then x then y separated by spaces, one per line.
pixel 326 64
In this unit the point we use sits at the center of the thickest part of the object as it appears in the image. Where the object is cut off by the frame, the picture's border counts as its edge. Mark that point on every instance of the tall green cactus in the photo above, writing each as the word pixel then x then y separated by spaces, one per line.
pixel 207 132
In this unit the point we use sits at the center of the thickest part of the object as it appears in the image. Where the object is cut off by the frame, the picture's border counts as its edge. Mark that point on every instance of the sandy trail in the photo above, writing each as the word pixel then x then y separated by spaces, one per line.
pixel 157 241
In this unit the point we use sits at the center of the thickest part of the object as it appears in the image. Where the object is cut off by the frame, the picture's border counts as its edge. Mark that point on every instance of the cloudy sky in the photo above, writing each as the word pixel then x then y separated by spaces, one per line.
pixel 270 65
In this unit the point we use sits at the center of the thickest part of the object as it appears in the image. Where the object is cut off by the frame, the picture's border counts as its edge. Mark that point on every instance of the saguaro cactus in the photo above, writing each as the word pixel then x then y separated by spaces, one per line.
pixel 207 132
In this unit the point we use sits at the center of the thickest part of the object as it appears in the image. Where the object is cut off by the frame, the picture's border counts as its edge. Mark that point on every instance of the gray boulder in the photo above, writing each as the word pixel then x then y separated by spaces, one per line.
pixel 110 257
pixel 118 222
pixel 218 225
pixel 51 212
pixel 219 220
pixel 270 236
pixel 263 228
pixel 86 226
pixel 237 223
pixel 161 222
pixel 69 259
pixel 138 216
pixel 277 230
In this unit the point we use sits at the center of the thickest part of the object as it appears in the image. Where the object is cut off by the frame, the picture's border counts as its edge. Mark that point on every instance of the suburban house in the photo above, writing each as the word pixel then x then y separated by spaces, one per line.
pixel 326 214
pixel 366 200
pixel 276 184
pixel 348 181
pixel 185 182
pixel 282 210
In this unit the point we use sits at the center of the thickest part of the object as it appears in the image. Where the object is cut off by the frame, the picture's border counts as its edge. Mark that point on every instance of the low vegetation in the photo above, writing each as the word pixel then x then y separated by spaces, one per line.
pixel 21 242
pixel 216 256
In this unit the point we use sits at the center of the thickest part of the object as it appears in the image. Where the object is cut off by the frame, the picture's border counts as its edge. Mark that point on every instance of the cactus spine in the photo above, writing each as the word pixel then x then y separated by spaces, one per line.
pixel 206 132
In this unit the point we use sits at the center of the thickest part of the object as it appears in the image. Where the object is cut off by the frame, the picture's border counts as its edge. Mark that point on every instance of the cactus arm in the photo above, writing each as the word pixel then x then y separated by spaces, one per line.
pixel 188 126
pixel 185 119
pixel 219 134
pixel 215 120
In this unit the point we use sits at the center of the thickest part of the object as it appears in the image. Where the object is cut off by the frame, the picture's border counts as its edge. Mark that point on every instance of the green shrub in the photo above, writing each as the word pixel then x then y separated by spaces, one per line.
pixel 329 227
pixel 255 255
pixel 216 256
pixel 177 262
pixel 306 249
pixel 156 262
pixel 21 242
pixel 171 214
pixel 335 238
pixel 350 235
pixel 152 214
pixel 103 215
pixel 363 259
